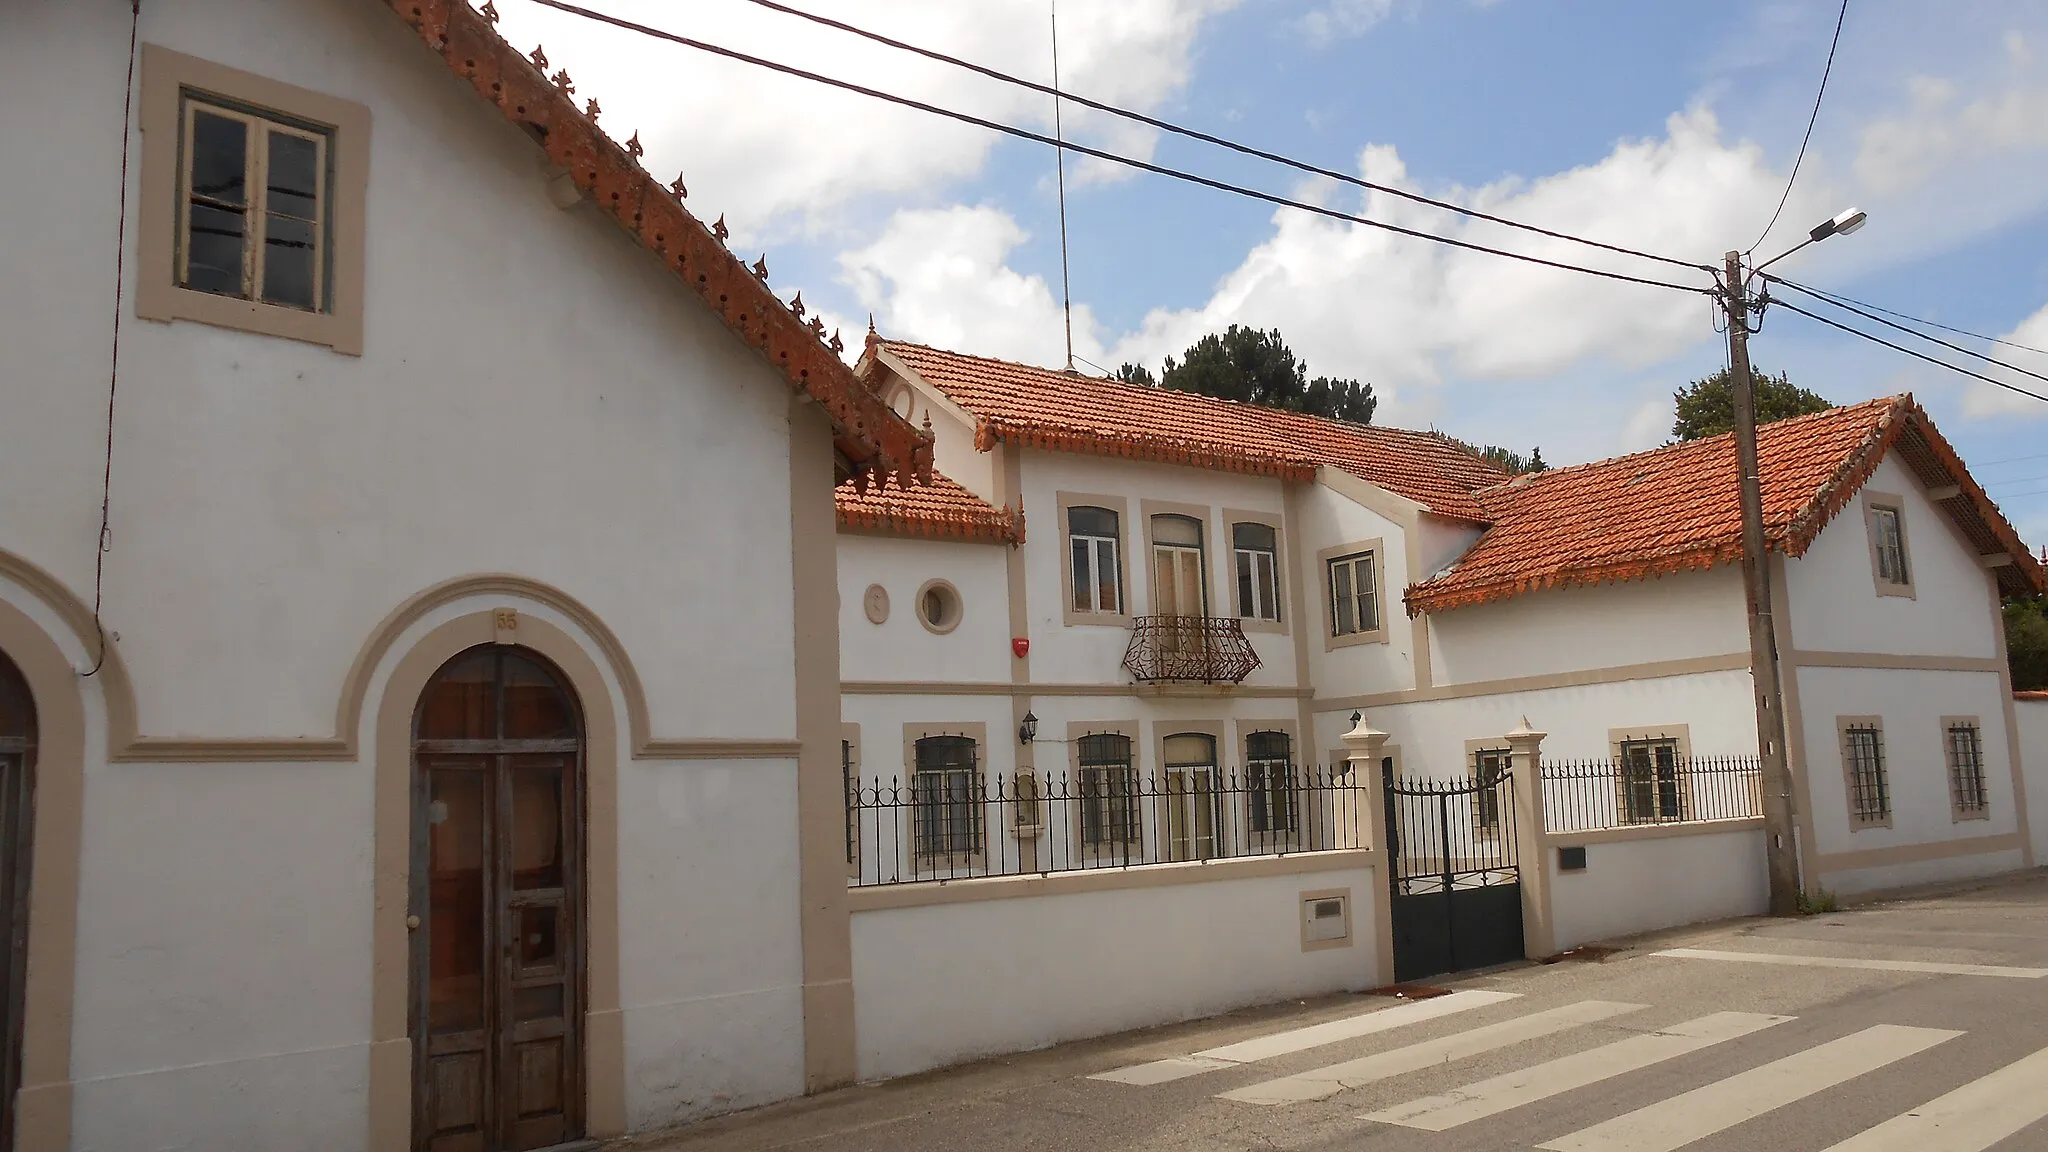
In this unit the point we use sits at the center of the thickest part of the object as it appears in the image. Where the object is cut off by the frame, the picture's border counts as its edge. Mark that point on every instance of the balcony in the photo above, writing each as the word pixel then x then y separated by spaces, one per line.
pixel 1189 650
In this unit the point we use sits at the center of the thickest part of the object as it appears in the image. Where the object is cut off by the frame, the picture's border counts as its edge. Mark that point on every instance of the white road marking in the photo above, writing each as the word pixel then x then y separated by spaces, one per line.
pixel 1969 1119
pixel 1299 1039
pixel 1852 962
pixel 1320 1083
pixel 1488 1097
pixel 1695 1115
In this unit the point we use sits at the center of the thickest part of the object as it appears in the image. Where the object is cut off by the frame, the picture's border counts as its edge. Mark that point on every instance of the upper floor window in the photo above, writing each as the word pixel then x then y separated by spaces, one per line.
pixel 252 211
pixel 1177 579
pixel 1093 540
pixel 1889 563
pixel 1354 594
pixel 1258 565
pixel 253 195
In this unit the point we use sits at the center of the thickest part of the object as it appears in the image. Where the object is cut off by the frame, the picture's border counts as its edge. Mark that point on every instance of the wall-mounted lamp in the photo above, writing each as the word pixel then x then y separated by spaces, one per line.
pixel 1028 730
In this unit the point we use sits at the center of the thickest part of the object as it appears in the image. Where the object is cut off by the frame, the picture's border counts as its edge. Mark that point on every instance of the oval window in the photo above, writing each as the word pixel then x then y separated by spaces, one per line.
pixel 938 606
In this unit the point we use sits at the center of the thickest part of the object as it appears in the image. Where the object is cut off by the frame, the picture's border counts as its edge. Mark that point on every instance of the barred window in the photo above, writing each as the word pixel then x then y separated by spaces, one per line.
pixel 851 789
pixel 1489 765
pixel 1109 785
pixel 1966 769
pixel 1870 799
pixel 1269 782
pixel 947 797
pixel 1652 788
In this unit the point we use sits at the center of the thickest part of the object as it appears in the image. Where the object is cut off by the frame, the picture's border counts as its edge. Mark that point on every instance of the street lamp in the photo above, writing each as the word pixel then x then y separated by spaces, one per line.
pixel 1780 842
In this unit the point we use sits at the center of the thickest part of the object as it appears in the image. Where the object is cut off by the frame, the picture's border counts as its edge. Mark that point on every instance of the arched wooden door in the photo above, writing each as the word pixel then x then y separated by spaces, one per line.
pixel 17 824
pixel 497 889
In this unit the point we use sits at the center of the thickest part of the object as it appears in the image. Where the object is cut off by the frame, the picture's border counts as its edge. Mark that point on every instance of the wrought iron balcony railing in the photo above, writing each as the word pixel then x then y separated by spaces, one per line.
pixel 1189 649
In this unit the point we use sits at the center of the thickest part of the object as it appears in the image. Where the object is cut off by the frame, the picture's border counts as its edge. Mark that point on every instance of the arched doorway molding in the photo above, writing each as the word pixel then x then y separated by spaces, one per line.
pixel 43 1106
pixel 604 1033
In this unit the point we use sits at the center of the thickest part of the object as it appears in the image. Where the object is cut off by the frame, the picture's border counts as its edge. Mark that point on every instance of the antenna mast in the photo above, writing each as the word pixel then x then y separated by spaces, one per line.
pixel 1060 162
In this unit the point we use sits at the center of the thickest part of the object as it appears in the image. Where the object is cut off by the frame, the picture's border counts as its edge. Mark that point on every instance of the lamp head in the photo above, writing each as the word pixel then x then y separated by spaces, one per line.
pixel 1841 224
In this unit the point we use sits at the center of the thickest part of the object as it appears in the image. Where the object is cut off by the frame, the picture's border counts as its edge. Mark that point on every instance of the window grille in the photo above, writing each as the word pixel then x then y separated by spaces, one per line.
pixel 947 797
pixel 1489 765
pixel 1652 785
pixel 1870 799
pixel 1269 783
pixel 1966 770
pixel 1109 785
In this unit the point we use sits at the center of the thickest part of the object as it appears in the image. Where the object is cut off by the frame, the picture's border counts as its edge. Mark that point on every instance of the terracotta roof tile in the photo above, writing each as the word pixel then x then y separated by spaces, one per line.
pixel 1065 411
pixel 939 508
pixel 1675 508
pixel 609 174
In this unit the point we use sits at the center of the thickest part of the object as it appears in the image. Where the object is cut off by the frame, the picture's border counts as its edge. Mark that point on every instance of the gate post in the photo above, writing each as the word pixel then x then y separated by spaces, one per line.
pixel 1532 841
pixel 1369 812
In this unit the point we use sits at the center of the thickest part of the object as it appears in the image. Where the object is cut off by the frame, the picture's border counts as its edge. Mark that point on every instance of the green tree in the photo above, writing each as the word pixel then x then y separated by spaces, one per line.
pixel 1515 462
pixel 1707 407
pixel 1131 373
pixel 2026 642
pixel 1257 367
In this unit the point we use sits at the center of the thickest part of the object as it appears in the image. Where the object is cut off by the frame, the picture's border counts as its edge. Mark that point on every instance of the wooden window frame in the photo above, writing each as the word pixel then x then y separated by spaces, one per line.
pixel 1163 730
pixel 169 79
pixel 1858 821
pixel 1151 510
pixel 1873 504
pixel 946 862
pixel 1619 741
pixel 258 127
pixel 1074 617
pixel 1232 517
pixel 1326 562
pixel 1959 809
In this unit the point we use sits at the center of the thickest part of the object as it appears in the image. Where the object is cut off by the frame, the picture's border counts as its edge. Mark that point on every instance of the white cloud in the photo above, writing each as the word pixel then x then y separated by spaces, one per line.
pixel 1982 400
pixel 1342 18
pixel 762 148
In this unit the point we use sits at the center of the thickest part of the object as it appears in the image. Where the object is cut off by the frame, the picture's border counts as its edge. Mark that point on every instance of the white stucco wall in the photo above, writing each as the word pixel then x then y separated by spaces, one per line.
pixel 1833 596
pixel 977 650
pixel 1642 885
pixel 1136 957
pixel 1329 519
pixel 1677 617
pixel 2032 716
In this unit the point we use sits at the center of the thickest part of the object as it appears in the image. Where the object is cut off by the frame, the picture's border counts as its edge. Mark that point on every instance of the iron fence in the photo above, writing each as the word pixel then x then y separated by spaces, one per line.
pixel 1446 835
pixel 1585 795
pixel 948 826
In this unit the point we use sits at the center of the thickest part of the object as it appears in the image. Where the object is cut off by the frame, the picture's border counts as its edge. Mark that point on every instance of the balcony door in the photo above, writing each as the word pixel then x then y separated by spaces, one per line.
pixel 1177 584
pixel 1194 798
pixel 498 892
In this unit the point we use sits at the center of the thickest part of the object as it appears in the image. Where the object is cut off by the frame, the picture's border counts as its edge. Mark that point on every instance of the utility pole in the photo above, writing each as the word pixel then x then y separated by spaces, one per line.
pixel 1763 649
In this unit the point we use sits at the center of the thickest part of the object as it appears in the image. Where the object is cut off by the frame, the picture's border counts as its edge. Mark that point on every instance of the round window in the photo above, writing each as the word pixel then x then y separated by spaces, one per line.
pixel 938 606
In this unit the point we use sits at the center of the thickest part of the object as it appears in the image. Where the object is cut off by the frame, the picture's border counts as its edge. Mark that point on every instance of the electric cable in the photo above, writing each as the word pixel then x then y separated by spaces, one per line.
pixel 1901 327
pixel 1207 138
pixel 1111 157
pixel 1875 339
pixel 1838 298
pixel 99 563
pixel 1810 121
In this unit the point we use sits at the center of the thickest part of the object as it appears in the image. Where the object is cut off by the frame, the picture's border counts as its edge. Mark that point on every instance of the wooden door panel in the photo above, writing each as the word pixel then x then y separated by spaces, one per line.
pixel 539 1077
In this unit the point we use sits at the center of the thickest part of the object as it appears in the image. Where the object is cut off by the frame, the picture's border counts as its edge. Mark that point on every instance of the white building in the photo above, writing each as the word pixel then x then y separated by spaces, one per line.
pixel 1091 520
pixel 441 750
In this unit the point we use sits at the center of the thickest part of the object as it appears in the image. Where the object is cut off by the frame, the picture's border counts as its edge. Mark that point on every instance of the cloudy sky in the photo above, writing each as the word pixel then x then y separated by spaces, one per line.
pixel 1666 127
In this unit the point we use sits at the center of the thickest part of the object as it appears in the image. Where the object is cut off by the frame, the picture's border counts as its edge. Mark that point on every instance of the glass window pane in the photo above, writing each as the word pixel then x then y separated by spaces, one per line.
pixel 1087 521
pixel 1084 580
pixel 540 937
pixel 213 249
pixel 1267 585
pixel 537 825
pixel 455 900
pixel 289 250
pixel 294 177
pixel 1259 536
pixel 535 706
pixel 1185 531
pixel 1266 746
pixel 461 703
pixel 1191 748
pixel 1247 602
pixel 219 163
pixel 1345 608
pixel 1109 597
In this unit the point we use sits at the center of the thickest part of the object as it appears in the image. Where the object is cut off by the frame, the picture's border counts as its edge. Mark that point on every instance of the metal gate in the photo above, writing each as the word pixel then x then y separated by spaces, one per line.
pixel 1456 890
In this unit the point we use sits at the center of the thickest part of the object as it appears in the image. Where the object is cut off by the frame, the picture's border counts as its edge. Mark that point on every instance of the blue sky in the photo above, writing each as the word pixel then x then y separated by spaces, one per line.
pixel 1669 127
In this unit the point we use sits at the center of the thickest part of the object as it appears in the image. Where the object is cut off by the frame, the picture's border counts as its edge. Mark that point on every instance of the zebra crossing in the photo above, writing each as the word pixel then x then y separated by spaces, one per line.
pixel 1971 1118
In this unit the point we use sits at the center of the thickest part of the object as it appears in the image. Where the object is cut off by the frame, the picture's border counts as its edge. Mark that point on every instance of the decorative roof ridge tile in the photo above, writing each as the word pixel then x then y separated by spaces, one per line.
pixel 865 430
pixel 939 509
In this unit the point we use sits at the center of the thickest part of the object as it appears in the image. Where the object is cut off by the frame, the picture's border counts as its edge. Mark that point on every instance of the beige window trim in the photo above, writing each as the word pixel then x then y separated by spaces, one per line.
pixel 1232 517
pixel 849 739
pixel 954 862
pixel 1105 855
pixel 166 76
pixel 1308 900
pixel 1959 811
pixel 1283 839
pixel 1893 502
pixel 1162 730
pixel 1376 546
pixel 1842 726
pixel 1472 750
pixel 1201 514
pixel 956 607
pixel 1679 734
pixel 1071 616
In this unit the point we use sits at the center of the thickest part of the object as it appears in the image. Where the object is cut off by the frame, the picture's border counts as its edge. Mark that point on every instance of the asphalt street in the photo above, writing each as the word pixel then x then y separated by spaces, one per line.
pixel 1911 1025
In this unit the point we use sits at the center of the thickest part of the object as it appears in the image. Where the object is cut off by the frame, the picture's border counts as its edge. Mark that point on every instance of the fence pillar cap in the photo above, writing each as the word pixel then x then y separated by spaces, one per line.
pixel 1524 732
pixel 1363 734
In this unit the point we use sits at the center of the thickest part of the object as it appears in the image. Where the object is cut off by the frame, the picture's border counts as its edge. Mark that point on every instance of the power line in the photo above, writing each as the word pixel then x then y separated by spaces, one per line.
pixel 1111 157
pixel 1810 121
pixel 1910 332
pixel 1207 138
pixel 1790 307
pixel 1838 298
pixel 2014 459
pixel 2014 480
